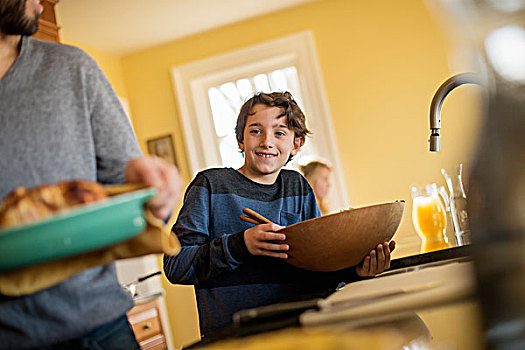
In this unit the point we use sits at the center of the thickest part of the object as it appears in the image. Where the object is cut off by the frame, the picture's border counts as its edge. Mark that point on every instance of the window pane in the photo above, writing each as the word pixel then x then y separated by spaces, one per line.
pixel 292 80
pixel 245 89
pixel 231 94
pixel 261 83
pixel 278 81
pixel 230 153
pixel 224 117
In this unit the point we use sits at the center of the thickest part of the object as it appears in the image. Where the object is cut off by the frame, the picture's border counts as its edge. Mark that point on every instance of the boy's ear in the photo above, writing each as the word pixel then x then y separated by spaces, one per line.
pixel 241 145
pixel 298 142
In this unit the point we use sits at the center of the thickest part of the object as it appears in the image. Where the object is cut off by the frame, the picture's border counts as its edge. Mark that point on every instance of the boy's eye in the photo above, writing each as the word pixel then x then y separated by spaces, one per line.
pixel 255 131
pixel 280 133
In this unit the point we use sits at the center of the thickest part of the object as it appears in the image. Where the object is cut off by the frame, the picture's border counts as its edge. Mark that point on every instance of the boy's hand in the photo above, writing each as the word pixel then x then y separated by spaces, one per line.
pixel 263 240
pixel 377 261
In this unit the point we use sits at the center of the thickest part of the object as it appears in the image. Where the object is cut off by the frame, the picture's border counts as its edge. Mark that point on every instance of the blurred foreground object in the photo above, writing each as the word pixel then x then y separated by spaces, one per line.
pixel 496 34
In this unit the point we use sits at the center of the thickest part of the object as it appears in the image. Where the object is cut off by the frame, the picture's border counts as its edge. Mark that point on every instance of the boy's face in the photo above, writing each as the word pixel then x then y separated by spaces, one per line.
pixel 267 144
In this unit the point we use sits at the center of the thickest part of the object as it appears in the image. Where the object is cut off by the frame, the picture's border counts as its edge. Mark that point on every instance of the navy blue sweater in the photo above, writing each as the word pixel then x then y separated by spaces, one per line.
pixel 214 257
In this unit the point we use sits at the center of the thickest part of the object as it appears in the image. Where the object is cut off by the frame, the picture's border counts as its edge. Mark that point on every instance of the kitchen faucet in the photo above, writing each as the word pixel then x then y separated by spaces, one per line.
pixel 437 102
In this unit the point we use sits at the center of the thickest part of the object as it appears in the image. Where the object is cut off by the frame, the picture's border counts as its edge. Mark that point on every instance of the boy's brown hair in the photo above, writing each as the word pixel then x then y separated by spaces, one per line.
pixel 284 100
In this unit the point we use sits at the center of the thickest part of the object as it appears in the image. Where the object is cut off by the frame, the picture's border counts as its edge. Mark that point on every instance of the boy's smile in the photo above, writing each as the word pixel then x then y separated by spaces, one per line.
pixel 267 144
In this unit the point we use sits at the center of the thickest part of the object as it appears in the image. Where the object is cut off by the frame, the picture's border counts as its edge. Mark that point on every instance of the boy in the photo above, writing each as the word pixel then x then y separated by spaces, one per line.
pixel 233 265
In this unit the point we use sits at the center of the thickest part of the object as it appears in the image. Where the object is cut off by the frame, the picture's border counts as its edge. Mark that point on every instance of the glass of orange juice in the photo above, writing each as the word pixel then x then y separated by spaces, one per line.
pixel 428 216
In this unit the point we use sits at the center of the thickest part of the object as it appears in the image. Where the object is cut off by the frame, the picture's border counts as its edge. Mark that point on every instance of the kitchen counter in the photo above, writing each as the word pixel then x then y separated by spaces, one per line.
pixel 147 297
pixel 453 326
pixel 400 309
pixel 454 253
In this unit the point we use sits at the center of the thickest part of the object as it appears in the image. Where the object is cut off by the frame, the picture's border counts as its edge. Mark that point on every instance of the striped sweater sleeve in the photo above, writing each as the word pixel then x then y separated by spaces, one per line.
pixel 202 259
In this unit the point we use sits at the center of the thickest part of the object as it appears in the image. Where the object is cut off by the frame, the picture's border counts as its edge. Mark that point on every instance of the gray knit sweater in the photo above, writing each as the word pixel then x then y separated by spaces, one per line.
pixel 60 119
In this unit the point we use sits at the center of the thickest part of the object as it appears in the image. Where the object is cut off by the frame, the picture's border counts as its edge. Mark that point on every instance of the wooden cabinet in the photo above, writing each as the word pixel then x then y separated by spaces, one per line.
pixel 145 319
pixel 47 24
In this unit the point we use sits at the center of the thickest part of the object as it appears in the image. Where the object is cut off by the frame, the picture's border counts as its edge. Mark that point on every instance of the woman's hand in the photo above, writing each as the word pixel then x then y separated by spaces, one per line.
pixel 377 261
pixel 164 177
pixel 263 240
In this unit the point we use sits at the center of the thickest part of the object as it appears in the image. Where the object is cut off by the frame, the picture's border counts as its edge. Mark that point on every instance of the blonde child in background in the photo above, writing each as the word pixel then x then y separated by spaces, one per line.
pixel 318 175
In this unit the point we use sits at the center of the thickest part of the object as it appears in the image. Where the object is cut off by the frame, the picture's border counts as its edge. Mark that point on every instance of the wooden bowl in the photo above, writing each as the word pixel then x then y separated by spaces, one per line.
pixel 337 241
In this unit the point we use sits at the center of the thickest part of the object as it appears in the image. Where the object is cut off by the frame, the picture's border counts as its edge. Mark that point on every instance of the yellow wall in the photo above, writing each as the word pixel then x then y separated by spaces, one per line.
pixel 381 62
pixel 110 64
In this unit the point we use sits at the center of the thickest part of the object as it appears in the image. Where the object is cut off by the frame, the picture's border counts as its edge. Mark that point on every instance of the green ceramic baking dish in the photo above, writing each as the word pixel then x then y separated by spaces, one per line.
pixel 76 231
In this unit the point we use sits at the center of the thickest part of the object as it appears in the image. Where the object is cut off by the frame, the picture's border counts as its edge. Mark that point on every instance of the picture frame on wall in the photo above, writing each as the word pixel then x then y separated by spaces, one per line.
pixel 162 147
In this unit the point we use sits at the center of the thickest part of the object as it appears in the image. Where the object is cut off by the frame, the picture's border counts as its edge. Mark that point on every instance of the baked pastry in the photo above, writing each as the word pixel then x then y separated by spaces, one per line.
pixel 24 205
